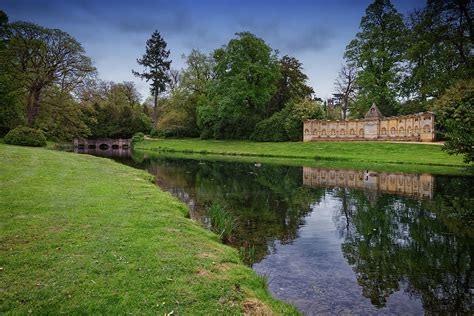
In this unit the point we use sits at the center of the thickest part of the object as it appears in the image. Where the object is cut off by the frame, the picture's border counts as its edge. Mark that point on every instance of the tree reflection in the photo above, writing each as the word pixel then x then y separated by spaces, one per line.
pixel 269 202
pixel 395 240
pixel 416 242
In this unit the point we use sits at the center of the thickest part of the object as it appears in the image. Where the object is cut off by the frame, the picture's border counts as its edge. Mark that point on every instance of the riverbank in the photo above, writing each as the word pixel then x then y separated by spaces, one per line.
pixel 81 234
pixel 361 154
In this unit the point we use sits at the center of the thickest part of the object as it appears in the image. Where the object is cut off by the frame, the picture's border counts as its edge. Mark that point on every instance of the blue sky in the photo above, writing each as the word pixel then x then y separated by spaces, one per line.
pixel 114 33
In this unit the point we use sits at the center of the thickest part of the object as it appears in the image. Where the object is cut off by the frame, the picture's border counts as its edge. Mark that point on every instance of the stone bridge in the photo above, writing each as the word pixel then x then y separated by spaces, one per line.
pixel 104 143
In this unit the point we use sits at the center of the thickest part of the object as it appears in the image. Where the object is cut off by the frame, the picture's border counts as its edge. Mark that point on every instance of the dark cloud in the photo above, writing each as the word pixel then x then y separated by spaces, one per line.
pixel 114 32
pixel 289 37
pixel 314 38
pixel 169 22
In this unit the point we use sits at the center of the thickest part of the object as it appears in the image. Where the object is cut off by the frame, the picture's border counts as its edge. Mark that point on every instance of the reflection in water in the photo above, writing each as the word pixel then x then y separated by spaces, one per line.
pixel 341 242
pixel 417 185
pixel 107 152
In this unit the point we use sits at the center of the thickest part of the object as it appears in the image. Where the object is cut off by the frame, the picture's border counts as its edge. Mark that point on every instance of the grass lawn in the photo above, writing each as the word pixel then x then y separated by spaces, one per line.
pixel 81 235
pixel 349 153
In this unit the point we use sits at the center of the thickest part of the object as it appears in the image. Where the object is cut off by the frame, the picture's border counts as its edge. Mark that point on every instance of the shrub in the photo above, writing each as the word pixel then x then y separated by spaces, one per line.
pixel 138 137
pixel 25 136
pixel 155 133
pixel 271 129
pixel 288 123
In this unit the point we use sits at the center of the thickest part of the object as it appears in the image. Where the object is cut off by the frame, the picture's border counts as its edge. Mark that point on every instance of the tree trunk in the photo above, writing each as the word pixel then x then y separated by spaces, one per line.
pixel 155 106
pixel 33 105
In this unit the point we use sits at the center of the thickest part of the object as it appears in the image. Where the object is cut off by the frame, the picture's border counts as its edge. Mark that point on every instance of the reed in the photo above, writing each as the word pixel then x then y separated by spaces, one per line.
pixel 223 222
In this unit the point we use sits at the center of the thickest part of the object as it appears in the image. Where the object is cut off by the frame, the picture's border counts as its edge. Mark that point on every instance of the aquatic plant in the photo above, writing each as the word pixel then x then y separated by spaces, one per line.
pixel 248 255
pixel 223 222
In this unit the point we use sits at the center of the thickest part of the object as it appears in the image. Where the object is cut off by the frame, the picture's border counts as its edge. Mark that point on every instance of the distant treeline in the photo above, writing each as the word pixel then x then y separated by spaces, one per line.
pixel 244 89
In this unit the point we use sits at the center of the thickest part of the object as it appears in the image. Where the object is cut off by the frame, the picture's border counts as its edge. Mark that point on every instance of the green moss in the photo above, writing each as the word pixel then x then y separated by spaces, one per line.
pixel 81 234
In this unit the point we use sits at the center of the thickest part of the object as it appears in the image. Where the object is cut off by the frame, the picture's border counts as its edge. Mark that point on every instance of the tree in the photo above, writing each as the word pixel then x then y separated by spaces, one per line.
pixel 175 79
pixel 377 52
pixel 62 118
pixel 39 58
pixel 178 114
pixel 291 84
pixel 11 109
pixel 157 66
pixel 199 71
pixel 346 87
pixel 113 110
pixel 455 115
pixel 440 49
pixel 131 93
pixel 3 29
pixel 454 18
pixel 246 72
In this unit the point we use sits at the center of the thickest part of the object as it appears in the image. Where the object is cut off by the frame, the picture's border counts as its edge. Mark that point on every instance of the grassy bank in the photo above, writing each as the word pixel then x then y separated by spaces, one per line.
pixel 358 154
pixel 139 155
pixel 81 234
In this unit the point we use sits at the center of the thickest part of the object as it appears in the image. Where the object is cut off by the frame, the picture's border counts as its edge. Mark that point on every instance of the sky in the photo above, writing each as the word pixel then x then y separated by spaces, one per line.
pixel 114 33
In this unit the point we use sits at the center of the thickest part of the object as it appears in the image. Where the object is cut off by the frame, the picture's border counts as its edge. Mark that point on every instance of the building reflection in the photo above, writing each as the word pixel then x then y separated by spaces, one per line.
pixel 109 152
pixel 416 185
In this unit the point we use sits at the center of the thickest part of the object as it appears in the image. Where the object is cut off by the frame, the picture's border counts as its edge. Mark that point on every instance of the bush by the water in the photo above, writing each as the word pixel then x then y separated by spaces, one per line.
pixel 138 137
pixel 25 136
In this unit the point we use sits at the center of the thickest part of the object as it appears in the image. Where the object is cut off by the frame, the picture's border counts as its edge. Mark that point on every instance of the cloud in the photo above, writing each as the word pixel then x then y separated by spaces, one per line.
pixel 289 35
pixel 315 38
pixel 169 22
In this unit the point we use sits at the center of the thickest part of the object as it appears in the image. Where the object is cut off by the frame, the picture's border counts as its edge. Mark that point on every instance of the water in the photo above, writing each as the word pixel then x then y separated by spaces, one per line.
pixel 338 241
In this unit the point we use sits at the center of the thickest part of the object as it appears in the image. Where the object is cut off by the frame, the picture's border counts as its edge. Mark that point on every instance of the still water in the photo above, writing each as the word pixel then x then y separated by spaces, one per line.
pixel 339 241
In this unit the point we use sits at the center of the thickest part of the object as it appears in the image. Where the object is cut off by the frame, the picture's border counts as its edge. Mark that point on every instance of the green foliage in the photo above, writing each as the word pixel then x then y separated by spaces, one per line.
pixel 11 108
pixel 62 118
pixel 223 222
pixel 138 137
pixel 113 110
pixel 178 114
pixel 288 123
pixel 11 105
pixel 40 58
pixel 156 64
pixel 271 129
pixel 455 115
pixel 440 48
pixel 199 72
pixel 413 106
pixel 290 85
pixel 25 136
pixel 248 255
pixel 377 52
pixel 246 72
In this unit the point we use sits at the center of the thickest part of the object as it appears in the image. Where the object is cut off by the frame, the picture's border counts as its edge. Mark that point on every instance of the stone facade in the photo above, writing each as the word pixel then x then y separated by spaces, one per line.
pixel 416 185
pixel 374 127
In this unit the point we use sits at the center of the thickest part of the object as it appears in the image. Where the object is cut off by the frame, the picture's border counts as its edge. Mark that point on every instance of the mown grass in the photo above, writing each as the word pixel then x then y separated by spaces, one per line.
pixel 357 155
pixel 85 235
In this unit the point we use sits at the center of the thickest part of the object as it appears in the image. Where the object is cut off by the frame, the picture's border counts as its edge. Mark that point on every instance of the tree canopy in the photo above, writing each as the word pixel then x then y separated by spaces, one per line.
pixel 377 52
pixel 245 80
pixel 39 58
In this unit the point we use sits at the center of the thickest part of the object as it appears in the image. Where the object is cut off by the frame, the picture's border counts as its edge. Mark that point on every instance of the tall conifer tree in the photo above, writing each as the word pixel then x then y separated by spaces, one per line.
pixel 156 64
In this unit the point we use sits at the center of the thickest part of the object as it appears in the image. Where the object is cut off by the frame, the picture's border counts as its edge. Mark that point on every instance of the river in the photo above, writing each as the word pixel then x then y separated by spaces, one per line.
pixel 338 241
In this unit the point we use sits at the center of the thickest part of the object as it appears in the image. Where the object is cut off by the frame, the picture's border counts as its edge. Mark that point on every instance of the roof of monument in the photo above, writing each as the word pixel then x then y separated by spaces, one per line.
pixel 373 112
